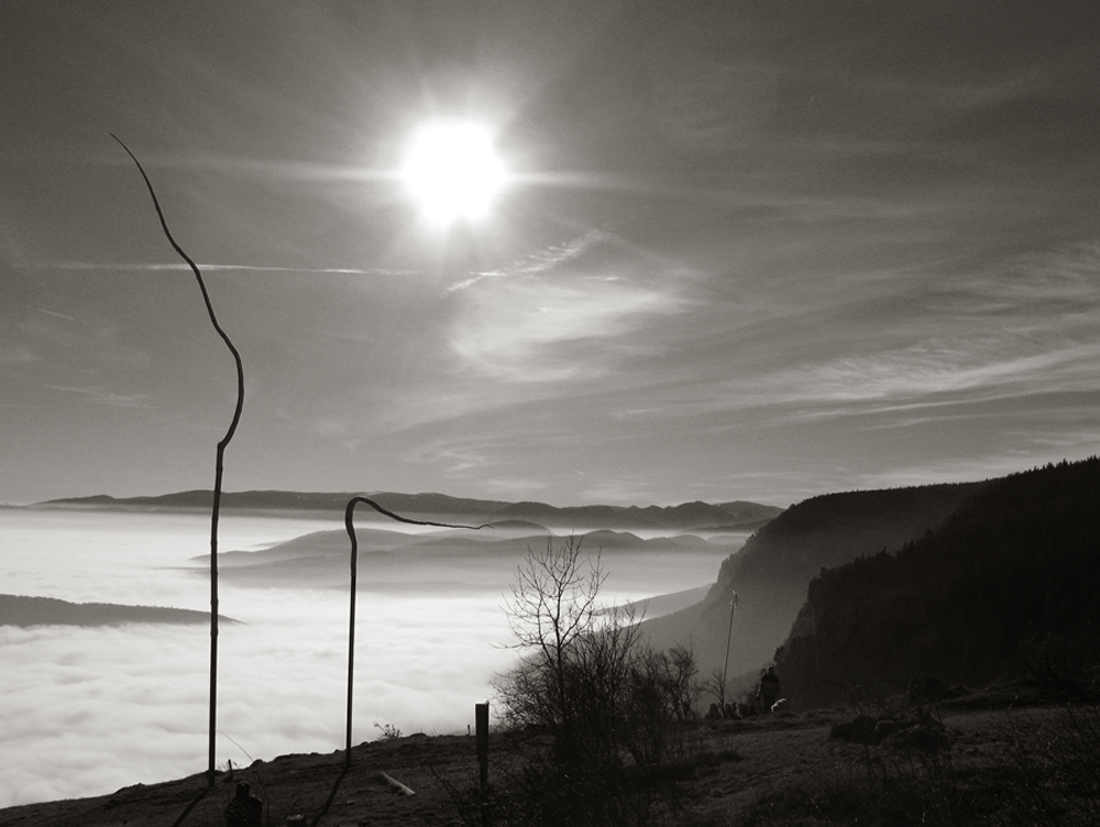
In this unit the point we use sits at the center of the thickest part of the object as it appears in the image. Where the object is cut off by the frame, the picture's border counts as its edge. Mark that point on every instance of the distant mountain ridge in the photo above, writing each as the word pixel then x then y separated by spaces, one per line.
pixel 734 515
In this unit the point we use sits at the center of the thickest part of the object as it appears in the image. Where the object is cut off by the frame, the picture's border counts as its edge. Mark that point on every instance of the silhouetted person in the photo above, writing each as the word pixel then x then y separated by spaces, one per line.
pixel 769 689
pixel 244 809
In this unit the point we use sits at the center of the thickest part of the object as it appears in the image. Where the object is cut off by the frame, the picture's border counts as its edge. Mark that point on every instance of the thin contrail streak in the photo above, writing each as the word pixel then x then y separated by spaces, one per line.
pixel 351 271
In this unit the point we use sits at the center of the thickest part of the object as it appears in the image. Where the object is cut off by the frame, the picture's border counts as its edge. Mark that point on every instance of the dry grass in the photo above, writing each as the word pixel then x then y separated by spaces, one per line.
pixel 999 764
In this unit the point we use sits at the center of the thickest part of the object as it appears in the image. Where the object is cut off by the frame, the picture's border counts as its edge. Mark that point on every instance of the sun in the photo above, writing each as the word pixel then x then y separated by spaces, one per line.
pixel 453 170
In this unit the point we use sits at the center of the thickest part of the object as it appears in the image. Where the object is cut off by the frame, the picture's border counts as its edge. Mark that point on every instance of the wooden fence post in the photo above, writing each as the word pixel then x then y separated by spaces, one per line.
pixel 481 718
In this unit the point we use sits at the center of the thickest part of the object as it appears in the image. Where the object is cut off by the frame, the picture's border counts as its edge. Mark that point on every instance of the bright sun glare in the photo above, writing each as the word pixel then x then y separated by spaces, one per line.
pixel 453 170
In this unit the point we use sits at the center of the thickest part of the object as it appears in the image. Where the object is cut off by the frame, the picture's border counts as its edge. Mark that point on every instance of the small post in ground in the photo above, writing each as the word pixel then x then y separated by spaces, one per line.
pixel 481 717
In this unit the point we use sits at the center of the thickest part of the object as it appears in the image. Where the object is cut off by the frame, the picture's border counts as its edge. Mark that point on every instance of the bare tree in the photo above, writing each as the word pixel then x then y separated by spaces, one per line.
pixel 663 692
pixel 586 679
pixel 585 676
pixel 715 684
pixel 553 612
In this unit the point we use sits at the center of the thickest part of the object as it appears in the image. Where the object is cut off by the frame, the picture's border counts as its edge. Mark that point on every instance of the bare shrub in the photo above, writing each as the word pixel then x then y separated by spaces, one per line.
pixel 607 703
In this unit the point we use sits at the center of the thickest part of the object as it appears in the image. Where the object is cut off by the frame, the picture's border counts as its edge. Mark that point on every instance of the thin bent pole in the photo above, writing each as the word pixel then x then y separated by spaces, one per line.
pixel 349 525
pixel 215 510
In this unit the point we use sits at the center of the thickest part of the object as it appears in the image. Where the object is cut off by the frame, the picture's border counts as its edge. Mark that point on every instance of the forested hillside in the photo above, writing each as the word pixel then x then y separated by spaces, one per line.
pixel 773 570
pixel 1009 583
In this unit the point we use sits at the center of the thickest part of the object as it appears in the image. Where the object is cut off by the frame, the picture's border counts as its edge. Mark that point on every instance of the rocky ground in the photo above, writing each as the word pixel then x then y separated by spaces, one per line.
pixel 757 771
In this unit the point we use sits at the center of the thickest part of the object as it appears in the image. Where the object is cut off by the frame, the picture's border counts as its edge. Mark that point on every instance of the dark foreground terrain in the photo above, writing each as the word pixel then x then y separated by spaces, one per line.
pixel 980 759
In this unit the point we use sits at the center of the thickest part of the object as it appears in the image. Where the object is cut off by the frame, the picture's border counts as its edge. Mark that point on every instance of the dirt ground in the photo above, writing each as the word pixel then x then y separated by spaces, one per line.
pixel 732 764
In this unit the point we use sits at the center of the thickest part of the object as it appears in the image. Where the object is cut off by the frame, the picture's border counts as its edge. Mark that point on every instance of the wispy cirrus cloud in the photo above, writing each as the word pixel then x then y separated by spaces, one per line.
pixel 897 348
pixel 927 370
pixel 1042 289
pixel 16 353
pixel 534 330
pixel 922 376
pixel 65 343
pixel 565 312
pixel 540 261
pixel 453 457
pixel 103 396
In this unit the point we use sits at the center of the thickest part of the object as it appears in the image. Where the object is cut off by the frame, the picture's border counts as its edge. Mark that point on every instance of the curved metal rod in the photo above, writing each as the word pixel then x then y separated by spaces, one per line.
pixel 218 462
pixel 349 525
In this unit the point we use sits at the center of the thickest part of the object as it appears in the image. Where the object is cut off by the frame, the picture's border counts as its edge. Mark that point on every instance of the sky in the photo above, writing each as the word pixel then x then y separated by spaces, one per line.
pixel 745 250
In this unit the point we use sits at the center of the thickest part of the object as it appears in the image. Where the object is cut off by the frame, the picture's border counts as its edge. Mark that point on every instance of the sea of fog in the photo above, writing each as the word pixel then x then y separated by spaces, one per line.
pixel 86 711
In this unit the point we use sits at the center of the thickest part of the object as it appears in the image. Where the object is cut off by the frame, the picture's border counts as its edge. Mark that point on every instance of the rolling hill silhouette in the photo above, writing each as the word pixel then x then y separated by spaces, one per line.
pixel 439 561
pixel 20 610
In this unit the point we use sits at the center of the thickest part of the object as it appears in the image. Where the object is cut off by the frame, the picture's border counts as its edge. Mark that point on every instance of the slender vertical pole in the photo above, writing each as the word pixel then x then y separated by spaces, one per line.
pixel 349 525
pixel 729 636
pixel 215 509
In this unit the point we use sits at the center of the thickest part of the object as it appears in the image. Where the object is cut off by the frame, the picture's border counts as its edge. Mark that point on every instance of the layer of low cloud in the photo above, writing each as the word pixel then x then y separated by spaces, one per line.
pixel 86 711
